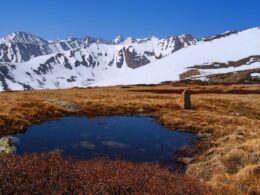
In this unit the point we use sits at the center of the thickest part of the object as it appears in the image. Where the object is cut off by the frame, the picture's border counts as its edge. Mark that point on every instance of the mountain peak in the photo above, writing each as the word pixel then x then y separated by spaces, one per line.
pixel 118 39
pixel 23 37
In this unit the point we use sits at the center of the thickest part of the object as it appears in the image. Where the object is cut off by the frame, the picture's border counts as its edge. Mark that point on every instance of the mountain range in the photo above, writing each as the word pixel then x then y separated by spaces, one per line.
pixel 31 62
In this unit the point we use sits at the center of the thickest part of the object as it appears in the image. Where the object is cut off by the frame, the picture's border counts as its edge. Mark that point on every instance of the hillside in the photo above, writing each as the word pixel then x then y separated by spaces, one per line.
pixel 235 52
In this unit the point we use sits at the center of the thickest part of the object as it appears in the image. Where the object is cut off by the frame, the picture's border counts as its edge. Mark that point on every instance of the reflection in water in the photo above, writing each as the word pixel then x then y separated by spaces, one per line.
pixel 87 145
pixel 115 144
pixel 136 138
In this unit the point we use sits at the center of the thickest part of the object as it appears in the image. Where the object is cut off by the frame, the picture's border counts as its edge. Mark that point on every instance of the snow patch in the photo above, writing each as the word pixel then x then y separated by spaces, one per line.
pixel 257 75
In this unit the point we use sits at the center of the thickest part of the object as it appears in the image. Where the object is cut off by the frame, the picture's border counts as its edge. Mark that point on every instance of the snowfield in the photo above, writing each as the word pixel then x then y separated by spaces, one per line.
pixel 255 75
pixel 231 48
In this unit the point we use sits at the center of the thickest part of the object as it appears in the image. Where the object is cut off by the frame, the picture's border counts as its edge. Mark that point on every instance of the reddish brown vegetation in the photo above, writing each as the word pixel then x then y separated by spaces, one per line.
pixel 47 173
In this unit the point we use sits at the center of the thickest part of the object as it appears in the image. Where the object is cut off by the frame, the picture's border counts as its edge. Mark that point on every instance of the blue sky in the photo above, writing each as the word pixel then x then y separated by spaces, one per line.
pixel 52 19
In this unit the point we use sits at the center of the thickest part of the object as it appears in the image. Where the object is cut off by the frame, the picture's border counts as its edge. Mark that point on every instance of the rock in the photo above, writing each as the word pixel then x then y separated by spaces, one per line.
pixel 87 145
pixel 184 101
pixel 140 110
pixel 203 135
pixel 7 146
pixel 56 151
pixel 185 160
pixel 113 144
pixel 69 106
pixel 14 140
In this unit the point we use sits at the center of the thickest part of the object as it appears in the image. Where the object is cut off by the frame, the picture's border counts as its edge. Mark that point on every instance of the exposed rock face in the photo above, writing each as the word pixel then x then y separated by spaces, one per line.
pixel 225 34
pixel 7 146
pixel 134 60
pixel 215 65
pixel 185 101
pixel 188 74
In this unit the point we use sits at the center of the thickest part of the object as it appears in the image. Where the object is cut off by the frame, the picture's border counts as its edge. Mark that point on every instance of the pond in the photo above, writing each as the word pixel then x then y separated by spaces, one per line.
pixel 135 138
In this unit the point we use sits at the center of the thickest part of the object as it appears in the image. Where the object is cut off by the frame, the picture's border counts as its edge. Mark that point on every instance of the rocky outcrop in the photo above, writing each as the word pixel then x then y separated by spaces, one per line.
pixel 7 146
pixel 217 65
pixel 219 36
pixel 134 60
pixel 189 74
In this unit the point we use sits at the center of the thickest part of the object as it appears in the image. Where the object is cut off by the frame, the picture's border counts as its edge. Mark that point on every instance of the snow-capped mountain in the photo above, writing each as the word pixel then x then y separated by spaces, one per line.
pixel 225 53
pixel 119 39
pixel 21 46
pixel 29 62
pixel 22 37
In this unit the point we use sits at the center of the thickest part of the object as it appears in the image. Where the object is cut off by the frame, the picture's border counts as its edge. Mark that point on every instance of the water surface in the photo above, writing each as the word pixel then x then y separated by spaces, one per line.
pixel 135 138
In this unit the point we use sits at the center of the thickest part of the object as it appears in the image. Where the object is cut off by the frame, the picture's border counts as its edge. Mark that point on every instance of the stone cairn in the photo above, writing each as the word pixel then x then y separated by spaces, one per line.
pixel 184 101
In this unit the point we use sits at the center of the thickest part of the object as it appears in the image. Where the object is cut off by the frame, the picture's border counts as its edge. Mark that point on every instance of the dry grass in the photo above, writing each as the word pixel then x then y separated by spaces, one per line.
pixel 229 159
pixel 50 174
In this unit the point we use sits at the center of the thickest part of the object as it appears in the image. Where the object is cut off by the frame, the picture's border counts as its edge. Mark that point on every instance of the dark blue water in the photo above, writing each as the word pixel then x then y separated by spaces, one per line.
pixel 135 138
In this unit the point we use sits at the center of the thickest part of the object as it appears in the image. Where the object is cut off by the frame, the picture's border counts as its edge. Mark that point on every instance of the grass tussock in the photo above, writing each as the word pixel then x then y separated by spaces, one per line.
pixel 228 159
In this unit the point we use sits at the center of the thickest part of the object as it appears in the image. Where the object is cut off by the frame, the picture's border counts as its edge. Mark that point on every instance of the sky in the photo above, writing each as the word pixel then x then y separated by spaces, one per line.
pixel 52 19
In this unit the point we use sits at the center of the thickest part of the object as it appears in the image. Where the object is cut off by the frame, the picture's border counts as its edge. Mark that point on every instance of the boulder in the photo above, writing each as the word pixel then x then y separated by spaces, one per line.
pixel 184 101
pixel 7 146
pixel 15 141
pixel 203 135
